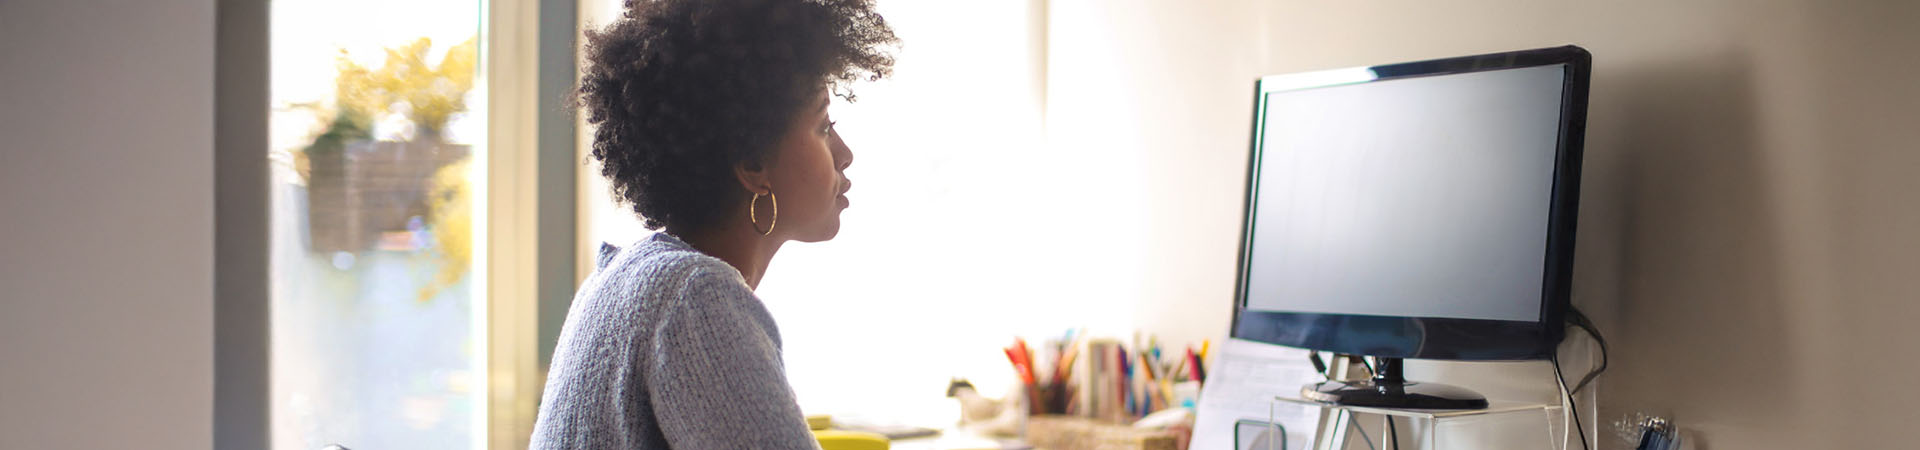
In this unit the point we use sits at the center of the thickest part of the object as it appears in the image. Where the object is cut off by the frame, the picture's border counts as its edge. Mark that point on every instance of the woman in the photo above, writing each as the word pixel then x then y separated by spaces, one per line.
pixel 712 124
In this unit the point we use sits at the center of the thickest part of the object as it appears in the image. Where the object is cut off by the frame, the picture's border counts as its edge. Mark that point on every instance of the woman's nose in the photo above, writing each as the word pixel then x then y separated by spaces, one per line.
pixel 843 155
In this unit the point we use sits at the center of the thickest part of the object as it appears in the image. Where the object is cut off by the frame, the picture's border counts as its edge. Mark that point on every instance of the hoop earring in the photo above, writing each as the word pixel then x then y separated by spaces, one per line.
pixel 754 218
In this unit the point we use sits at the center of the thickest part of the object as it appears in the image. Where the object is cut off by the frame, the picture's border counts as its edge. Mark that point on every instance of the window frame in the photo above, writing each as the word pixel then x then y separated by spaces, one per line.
pixel 527 250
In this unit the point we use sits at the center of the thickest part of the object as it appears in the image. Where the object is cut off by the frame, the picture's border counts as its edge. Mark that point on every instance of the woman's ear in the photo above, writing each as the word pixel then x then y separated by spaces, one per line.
pixel 752 175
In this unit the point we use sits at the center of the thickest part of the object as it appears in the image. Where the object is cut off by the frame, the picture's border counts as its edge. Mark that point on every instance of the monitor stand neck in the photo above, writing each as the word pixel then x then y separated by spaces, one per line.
pixel 1389 371
pixel 1389 388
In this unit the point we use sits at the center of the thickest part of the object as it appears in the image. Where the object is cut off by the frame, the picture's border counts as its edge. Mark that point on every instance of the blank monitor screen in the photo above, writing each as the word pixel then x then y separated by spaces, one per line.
pixel 1416 197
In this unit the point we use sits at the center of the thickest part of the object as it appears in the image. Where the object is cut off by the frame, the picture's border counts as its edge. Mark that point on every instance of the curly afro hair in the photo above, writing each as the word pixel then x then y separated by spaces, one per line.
pixel 683 90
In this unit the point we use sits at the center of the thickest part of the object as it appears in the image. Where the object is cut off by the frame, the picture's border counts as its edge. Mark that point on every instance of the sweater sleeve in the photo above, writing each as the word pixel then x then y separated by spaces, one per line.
pixel 716 374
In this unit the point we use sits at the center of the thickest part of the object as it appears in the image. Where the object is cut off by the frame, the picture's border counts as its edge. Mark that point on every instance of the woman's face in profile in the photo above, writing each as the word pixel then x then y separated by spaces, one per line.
pixel 808 175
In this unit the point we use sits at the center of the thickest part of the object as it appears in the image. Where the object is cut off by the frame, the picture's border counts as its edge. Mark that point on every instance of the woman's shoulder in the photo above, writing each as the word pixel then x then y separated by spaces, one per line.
pixel 660 266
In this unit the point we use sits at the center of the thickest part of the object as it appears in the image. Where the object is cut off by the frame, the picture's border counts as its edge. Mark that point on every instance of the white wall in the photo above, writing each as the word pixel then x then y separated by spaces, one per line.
pixel 106 255
pixel 1747 232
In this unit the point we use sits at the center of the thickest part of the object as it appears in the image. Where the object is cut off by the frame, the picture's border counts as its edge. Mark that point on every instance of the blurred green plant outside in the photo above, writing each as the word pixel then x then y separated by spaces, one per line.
pixel 450 202
pixel 428 96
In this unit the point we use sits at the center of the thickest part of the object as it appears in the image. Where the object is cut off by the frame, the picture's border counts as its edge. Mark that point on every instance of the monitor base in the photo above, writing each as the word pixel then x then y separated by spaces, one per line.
pixel 1389 389
pixel 1407 395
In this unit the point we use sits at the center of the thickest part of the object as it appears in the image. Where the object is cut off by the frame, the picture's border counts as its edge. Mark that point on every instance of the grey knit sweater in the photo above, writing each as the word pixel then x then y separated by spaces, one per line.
pixel 665 347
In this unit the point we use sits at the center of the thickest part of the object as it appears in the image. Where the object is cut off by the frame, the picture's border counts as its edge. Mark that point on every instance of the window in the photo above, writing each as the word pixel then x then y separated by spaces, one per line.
pixel 377 147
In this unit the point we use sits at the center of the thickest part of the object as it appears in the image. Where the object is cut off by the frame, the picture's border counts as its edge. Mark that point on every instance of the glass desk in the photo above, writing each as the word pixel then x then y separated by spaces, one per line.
pixel 1500 425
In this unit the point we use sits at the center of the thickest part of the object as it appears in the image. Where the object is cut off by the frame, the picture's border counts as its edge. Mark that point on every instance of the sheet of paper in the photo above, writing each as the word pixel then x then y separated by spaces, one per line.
pixel 1241 385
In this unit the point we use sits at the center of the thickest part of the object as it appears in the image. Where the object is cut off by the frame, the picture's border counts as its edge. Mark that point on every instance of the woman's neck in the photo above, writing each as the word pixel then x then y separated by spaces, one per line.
pixel 741 247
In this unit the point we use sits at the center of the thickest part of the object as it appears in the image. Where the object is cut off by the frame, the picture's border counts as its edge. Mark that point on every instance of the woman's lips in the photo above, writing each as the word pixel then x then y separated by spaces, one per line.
pixel 845 185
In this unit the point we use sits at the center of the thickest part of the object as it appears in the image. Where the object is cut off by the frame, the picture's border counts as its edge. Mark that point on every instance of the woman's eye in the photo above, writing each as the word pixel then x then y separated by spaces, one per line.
pixel 827 129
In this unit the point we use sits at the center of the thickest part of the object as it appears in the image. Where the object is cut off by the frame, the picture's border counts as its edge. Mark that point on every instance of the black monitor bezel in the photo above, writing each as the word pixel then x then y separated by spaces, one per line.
pixel 1439 338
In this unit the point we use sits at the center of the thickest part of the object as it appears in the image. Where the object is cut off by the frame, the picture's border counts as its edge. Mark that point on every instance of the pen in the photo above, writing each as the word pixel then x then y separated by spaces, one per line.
pixel 1019 367
pixel 1026 358
pixel 1180 367
pixel 1120 383
pixel 1193 363
pixel 1065 367
pixel 1155 383
pixel 1206 346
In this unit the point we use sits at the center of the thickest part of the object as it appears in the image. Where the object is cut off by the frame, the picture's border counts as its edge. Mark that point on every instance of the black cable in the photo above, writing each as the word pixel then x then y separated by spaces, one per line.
pixel 1319 365
pixel 1393 436
pixel 1581 320
pixel 1354 425
pixel 1572 408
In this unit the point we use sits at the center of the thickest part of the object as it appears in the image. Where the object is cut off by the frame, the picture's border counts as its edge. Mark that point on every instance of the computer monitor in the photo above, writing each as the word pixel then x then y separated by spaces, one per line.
pixel 1415 210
